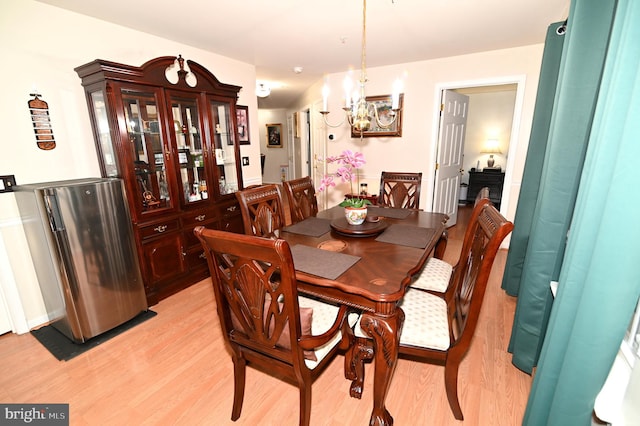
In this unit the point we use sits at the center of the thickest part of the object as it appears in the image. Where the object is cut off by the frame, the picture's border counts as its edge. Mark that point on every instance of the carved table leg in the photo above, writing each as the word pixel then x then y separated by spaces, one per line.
pixel 354 360
pixel 385 332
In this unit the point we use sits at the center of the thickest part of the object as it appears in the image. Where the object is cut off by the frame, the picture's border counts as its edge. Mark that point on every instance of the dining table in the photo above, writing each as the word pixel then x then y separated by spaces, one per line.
pixel 367 267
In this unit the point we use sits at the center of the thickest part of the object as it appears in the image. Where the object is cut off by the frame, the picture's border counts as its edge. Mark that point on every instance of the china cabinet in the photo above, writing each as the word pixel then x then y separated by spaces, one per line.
pixel 167 128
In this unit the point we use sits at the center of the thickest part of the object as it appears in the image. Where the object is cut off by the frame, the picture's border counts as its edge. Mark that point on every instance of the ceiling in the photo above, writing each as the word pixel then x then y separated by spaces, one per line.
pixel 324 37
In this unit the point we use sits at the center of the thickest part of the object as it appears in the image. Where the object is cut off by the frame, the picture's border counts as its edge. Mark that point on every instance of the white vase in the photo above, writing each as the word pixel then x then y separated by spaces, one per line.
pixel 355 215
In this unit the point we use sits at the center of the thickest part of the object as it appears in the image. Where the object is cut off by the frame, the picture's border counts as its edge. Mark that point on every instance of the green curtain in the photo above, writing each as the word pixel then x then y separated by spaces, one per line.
pixel 552 181
pixel 599 281
pixel 535 158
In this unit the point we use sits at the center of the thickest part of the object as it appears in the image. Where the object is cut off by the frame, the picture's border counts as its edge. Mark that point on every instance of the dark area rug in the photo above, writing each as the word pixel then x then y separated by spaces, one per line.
pixel 64 349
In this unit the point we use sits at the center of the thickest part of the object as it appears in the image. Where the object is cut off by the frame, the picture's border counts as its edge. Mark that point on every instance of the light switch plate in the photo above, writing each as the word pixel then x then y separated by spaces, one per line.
pixel 7 183
pixel 245 161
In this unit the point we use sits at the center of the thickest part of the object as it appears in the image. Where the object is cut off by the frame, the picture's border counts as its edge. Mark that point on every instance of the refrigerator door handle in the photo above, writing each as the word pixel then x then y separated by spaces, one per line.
pixel 53 212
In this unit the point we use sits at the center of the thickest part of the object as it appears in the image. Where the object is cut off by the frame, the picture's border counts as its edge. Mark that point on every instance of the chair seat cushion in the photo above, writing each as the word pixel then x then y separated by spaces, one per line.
pixel 435 276
pixel 324 315
pixel 425 321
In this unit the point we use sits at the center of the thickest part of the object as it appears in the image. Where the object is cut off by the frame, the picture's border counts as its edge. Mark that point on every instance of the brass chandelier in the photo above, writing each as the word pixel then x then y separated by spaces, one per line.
pixel 358 112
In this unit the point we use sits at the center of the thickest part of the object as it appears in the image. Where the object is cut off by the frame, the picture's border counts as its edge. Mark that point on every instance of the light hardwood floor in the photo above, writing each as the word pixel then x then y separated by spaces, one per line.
pixel 174 370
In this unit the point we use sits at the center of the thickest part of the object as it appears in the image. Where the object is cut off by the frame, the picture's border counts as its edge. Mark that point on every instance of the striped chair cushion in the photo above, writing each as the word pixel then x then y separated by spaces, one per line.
pixel 425 321
pixel 434 276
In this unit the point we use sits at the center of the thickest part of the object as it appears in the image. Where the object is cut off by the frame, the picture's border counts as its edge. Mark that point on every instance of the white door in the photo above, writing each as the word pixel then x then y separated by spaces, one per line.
pixel 453 122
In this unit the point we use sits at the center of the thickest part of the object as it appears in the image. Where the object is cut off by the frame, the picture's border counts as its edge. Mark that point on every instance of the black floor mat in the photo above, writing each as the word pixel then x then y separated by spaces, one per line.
pixel 64 349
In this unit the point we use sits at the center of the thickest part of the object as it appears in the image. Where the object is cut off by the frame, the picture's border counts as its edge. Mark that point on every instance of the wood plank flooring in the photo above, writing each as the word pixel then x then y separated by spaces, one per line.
pixel 174 370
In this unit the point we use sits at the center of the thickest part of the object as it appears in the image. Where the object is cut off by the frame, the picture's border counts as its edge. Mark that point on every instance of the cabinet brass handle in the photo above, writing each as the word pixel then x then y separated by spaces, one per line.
pixel 201 217
pixel 202 256
pixel 160 228
pixel 231 208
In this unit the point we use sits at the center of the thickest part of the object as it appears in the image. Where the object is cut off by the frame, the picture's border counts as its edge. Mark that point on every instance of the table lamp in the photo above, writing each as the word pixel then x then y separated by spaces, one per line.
pixel 491 147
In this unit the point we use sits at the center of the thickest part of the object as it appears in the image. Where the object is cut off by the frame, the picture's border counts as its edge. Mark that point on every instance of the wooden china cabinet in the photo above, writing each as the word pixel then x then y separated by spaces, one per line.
pixel 169 131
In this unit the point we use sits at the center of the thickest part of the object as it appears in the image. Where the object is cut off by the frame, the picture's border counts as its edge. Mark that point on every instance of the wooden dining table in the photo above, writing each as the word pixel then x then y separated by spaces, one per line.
pixel 380 258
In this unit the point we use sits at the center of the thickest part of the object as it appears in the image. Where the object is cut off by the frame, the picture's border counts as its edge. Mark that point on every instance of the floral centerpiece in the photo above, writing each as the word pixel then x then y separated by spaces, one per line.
pixel 348 164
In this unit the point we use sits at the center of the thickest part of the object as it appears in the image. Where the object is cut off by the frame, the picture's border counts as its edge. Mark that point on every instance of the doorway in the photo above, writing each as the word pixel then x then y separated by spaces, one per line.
pixel 491 100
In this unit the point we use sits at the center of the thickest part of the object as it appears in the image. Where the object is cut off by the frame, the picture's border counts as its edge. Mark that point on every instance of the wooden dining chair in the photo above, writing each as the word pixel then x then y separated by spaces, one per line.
pixel 436 267
pixel 437 275
pixel 264 321
pixel 302 198
pixel 438 329
pixel 400 190
pixel 262 210
pixel 482 194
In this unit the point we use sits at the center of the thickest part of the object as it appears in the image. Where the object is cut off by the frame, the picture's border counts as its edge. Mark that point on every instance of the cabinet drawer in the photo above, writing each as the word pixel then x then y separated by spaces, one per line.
pixel 190 239
pixel 199 217
pixel 159 228
pixel 229 209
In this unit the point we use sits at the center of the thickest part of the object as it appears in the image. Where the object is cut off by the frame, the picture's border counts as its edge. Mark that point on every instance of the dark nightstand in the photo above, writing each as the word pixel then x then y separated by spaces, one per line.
pixel 492 179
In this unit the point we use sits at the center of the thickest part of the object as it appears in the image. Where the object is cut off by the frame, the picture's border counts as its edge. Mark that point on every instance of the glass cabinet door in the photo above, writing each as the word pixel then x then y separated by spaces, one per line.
pixel 147 150
pixel 103 134
pixel 224 145
pixel 192 177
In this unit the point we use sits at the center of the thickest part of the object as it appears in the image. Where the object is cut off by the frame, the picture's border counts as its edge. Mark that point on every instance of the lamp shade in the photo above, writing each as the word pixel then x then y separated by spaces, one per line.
pixel 491 146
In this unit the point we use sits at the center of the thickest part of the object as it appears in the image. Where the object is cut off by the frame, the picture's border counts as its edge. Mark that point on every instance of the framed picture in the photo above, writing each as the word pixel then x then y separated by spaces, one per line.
pixel 184 157
pixel 274 135
pixel 385 114
pixel 242 119
pixel 158 158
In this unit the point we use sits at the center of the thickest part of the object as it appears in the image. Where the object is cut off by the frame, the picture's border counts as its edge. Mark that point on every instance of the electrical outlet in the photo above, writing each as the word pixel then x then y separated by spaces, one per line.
pixel 7 183
pixel 245 161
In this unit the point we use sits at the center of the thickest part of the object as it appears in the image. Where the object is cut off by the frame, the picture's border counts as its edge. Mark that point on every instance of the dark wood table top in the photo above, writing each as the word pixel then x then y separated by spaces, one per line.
pixel 384 269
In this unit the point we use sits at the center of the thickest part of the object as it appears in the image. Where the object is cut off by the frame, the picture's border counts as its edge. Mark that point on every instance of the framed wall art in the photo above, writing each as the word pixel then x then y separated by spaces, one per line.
pixel 385 113
pixel 274 135
pixel 242 118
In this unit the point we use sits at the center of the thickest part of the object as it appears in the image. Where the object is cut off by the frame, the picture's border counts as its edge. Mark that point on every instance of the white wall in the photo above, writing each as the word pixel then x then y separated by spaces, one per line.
pixel 415 150
pixel 41 45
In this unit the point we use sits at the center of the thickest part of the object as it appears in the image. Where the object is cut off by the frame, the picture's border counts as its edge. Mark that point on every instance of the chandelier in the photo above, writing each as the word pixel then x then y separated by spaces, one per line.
pixel 358 112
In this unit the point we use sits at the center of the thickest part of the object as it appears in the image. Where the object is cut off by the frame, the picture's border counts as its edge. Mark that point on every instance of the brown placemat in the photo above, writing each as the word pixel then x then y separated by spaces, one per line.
pixel 323 263
pixel 311 226
pixel 407 235
pixel 389 212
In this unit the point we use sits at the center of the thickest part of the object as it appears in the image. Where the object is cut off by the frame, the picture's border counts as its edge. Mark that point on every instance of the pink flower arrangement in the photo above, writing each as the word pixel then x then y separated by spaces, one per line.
pixel 348 164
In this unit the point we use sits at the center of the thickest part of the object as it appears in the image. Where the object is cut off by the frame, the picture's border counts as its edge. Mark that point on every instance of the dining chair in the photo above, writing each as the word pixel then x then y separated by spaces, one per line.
pixel 264 321
pixel 437 275
pixel 438 329
pixel 262 210
pixel 400 190
pixel 483 193
pixel 302 198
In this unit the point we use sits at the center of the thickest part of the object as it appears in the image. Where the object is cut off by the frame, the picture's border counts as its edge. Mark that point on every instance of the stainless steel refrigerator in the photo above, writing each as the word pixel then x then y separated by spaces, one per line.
pixel 81 241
